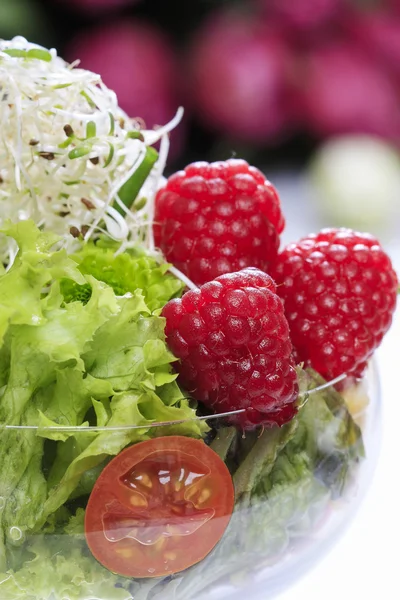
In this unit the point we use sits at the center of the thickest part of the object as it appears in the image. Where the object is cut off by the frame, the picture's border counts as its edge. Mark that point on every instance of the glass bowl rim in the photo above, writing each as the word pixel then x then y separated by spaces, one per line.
pixel 120 428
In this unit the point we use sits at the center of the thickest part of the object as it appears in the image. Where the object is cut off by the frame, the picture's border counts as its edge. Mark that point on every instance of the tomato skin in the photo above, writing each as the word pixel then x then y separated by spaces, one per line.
pixel 159 507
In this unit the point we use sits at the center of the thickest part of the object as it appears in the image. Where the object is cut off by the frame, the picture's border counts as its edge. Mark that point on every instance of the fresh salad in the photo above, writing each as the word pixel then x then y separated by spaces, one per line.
pixel 179 395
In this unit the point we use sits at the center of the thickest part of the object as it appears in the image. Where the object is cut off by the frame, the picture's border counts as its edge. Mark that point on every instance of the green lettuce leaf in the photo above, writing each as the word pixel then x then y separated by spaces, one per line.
pixel 71 573
pixel 35 267
pixel 67 361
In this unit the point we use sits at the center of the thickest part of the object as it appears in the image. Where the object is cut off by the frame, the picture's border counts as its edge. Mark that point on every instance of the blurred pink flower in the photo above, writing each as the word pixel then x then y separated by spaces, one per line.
pixel 392 4
pixel 303 14
pixel 378 33
pixel 137 61
pixel 95 5
pixel 342 91
pixel 237 72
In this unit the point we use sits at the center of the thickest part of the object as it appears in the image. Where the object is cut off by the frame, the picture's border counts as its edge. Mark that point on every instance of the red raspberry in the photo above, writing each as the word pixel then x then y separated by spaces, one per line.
pixel 232 339
pixel 339 290
pixel 215 218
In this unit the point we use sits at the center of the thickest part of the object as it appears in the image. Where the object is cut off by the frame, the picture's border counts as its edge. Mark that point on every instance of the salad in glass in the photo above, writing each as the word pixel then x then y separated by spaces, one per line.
pixel 182 402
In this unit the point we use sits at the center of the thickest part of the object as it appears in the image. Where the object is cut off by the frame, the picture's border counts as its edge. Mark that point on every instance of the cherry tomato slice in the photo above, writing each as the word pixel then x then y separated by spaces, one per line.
pixel 159 507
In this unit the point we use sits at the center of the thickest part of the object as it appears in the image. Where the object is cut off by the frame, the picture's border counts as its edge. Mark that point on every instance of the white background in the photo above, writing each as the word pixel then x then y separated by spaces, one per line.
pixel 365 563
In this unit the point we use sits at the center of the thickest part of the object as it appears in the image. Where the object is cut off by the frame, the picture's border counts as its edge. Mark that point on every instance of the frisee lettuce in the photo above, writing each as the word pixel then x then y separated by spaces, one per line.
pixel 63 361
pixel 124 272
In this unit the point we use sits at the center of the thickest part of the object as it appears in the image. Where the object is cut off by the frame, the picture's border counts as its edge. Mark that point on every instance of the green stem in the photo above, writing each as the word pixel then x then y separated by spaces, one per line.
pixel 261 458
pixel 131 188
pixel 337 405
pixel 223 441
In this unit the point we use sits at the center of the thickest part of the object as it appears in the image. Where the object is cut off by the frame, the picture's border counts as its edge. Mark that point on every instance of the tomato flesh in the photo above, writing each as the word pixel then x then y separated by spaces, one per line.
pixel 159 507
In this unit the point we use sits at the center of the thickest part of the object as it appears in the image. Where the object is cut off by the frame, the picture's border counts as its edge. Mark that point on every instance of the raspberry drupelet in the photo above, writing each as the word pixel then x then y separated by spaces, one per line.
pixel 232 341
pixel 215 218
pixel 339 290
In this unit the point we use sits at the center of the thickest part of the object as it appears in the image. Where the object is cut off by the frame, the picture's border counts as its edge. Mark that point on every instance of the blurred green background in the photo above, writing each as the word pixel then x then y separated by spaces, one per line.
pixel 309 90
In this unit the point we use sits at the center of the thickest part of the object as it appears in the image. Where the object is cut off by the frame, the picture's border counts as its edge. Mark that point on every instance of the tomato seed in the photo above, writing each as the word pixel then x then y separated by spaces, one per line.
pixel 191 492
pixel 205 495
pixel 125 552
pixel 137 500
pixel 160 543
pixel 178 509
pixel 146 481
